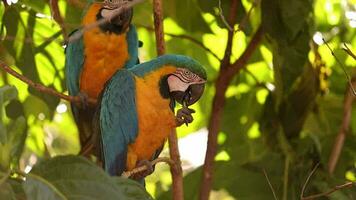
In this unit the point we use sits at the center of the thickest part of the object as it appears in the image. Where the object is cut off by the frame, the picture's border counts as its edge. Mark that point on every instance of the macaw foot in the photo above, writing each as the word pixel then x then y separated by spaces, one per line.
pixel 84 103
pixel 143 174
pixel 184 115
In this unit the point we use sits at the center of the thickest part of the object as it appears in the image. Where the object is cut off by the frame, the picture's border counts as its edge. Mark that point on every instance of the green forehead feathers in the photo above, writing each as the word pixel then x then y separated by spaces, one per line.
pixel 178 61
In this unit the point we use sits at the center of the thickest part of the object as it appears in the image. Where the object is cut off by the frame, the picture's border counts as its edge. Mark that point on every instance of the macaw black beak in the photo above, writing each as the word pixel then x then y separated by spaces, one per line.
pixel 124 19
pixel 190 96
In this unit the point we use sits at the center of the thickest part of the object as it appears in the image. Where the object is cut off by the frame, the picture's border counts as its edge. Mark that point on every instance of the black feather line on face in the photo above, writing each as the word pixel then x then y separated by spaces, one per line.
pixel 181 78
pixel 164 87
pixel 109 27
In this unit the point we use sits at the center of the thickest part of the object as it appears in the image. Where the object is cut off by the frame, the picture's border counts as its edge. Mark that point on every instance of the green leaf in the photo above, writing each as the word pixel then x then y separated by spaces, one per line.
pixel 212 7
pixel 132 189
pixel 35 106
pixel 189 19
pixel 14 109
pixel 12 134
pixel 73 177
pixel 38 188
pixel 290 47
pixel 17 131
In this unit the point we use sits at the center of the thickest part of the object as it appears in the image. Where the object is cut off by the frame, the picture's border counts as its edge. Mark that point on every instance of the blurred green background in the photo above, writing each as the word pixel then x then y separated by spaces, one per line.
pixel 291 80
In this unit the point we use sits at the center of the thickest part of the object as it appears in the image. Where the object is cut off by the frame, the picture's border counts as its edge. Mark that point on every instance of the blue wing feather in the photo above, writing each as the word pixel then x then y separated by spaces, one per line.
pixel 118 120
pixel 74 64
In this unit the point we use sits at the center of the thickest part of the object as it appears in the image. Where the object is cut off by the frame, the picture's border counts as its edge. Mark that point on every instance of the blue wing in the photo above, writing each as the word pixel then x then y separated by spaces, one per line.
pixel 74 64
pixel 118 120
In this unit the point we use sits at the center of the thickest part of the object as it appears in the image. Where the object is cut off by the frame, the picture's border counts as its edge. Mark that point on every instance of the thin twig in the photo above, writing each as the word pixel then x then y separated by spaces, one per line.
pixel 307 181
pixel 342 67
pixel 348 51
pixel 327 193
pixel 127 174
pixel 221 13
pixel 243 23
pixel 124 7
pixel 186 37
pixel 286 178
pixel 270 184
pixel 345 125
pixel 75 99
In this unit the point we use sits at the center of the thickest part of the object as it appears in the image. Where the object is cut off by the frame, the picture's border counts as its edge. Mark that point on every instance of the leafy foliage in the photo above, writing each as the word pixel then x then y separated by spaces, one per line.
pixel 282 112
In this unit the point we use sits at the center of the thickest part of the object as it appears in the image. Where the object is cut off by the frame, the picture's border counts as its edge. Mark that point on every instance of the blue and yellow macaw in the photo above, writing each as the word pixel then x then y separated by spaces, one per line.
pixel 136 112
pixel 96 56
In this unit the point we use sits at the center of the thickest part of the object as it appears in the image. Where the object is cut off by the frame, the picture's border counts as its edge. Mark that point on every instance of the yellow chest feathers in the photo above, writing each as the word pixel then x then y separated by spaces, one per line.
pixel 155 118
pixel 105 53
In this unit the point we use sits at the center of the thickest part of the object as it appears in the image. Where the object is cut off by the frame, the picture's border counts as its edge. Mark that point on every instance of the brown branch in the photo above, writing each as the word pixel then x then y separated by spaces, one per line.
pixel 348 51
pixel 144 167
pixel 327 193
pixel 158 23
pixel 41 88
pixel 186 37
pixel 340 138
pixel 227 72
pixel 53 4
pixel 176 169
pixel 221 13
pixel 124 7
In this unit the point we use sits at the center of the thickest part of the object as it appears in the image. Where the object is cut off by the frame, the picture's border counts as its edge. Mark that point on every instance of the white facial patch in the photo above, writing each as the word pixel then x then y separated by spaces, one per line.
pixel 175 84
pixel 181 79
pixel 106 13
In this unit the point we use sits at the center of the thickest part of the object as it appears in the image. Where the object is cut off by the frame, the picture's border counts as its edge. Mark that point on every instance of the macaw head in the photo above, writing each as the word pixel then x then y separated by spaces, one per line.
pixel 184 81
pixel 186 85
pixel 120 22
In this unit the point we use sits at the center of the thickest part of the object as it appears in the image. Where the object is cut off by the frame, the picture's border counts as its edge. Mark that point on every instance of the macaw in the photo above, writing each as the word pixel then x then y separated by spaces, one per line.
pixel 95 57
pixel 136 111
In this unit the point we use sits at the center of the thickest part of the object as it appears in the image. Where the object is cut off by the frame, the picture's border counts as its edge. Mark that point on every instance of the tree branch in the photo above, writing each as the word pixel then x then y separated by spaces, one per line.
pixel 158 23
pixel 144 167
pixel 176 171
pixel 327 193
pixel 340 138
pixel 41 88
pixel 53 4
pixel 224 78
pixel 232 16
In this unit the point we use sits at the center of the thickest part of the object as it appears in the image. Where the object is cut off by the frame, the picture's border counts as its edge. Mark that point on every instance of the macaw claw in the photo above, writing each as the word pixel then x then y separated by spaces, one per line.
pixel 143 174
pixel 184 115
